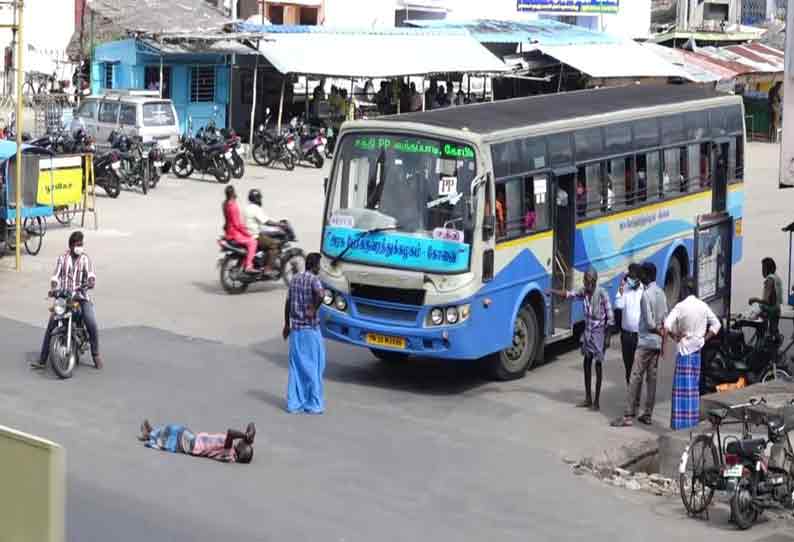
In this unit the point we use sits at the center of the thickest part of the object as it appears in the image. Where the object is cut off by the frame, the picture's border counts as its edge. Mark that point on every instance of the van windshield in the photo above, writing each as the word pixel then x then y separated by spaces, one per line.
pixel 158 114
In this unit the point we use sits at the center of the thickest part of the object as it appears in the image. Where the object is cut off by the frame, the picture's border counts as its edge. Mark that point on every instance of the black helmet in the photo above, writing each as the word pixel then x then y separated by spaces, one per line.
pixel 255 196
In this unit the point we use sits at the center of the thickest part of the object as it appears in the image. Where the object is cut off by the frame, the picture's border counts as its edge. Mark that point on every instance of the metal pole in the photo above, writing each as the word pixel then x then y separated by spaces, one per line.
pixel 253 108
pixel 230 105
pixel 306 99
pixel 493 94
pixel 19 125
pixel 161 74
pixel 281 102
pixel 91 56
pixel 424 101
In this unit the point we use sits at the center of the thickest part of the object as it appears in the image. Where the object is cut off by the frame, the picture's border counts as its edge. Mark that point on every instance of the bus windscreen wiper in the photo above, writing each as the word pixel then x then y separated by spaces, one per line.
pixel 357 238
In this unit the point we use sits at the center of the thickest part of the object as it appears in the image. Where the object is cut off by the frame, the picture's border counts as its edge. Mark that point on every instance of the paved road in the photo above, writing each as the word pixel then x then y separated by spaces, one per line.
pixel 424 451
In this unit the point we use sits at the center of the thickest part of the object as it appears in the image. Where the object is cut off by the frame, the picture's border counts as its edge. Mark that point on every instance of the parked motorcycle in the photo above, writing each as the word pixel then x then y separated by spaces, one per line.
pixel 311 146
pixel 107 173
pixel 729 356
pixel 195 155
pixel 289 261
pixel 135 166
pixel 761 482
pixel 211 135
pixel 69 339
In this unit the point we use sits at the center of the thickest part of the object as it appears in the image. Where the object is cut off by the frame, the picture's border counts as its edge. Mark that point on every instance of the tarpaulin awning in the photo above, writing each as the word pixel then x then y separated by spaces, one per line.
pixel 376 54
pixel 624 60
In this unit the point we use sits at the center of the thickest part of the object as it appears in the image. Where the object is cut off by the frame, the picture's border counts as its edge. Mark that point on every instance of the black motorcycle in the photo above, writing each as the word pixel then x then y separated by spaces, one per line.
pixel 264 140
pixel 729 356
pixel 107 173
pixel 761 482
pixel 211 135
pixel 289 261
pixel 69 339
pixel 135 165
pixel 196 155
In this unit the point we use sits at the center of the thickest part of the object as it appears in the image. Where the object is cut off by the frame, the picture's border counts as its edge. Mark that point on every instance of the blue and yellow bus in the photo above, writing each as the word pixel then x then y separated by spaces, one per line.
pixel 444 229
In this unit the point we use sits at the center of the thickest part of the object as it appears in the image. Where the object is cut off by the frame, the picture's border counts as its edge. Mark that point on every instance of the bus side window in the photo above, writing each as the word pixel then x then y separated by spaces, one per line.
pixel 501 217
pixel 616 184
pixel 736 159
pixel 590 191
pixel 642 177
pixel 706 174
pixel 672 178
pixel 653 180
pixel 536 201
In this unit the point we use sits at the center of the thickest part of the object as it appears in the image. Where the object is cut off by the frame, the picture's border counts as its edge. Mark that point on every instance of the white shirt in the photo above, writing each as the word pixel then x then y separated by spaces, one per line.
pixel 255 219
pixel 629 302
pixel 690 319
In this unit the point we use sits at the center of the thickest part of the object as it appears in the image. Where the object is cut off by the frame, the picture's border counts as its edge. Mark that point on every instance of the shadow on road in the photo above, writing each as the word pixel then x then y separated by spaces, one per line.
pixel 267 397
pixel 427 376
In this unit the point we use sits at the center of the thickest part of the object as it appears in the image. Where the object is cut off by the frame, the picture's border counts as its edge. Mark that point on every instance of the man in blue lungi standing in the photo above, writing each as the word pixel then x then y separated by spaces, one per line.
pixel 691 323
pixel 306 347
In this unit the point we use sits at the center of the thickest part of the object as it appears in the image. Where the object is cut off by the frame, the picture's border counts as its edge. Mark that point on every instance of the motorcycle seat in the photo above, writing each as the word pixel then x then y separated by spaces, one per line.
pixel 746 448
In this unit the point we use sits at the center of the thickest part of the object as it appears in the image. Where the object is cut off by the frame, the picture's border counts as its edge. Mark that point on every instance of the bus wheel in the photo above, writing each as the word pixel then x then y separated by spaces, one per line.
pixel 672 282
pixel 513 362
pixel 388 356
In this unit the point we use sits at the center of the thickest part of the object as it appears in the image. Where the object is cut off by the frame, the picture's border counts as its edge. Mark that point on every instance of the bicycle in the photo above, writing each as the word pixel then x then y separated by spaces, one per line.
pixel 702 470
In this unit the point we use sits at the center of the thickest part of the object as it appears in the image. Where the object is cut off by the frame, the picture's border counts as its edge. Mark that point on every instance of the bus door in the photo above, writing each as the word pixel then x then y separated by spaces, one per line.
pixel 564 231
pixel 720 152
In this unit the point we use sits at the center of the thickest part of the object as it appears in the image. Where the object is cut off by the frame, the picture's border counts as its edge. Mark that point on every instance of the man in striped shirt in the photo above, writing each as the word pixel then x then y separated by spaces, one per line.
pixel 74 271
pixel 230 447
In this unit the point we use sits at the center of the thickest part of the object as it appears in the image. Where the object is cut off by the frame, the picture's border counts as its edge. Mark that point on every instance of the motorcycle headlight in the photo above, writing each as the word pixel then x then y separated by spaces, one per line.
pixel 341 304
pixel 437 317
pixel 328 297
pixel 452 315
pixel 59 308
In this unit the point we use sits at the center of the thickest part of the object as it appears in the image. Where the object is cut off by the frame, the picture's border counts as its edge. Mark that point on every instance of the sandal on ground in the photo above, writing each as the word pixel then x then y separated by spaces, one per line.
pixel 646 419
pixel 622 422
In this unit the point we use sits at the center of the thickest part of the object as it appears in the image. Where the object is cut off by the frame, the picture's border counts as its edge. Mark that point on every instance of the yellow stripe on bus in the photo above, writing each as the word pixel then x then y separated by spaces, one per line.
pixel 639 210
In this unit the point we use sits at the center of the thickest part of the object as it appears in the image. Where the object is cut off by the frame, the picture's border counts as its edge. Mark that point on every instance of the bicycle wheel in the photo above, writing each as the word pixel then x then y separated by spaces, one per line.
pixel 33 234
pixel 699 459
pixel 63 215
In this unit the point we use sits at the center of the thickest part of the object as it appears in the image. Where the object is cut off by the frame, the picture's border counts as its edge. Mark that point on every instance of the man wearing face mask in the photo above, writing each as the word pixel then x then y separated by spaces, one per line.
pixel 74 271
pixel 628 302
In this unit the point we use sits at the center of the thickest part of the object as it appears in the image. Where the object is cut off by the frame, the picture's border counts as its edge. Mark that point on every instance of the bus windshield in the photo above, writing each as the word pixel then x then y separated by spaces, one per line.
pixel 418 183
pixel 416 187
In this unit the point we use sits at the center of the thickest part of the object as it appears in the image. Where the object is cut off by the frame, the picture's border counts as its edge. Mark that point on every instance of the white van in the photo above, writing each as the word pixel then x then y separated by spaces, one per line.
pixel 136 112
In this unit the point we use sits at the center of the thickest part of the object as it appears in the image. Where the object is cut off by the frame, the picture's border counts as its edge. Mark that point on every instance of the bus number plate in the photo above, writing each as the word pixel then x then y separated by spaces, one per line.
pixel 376 339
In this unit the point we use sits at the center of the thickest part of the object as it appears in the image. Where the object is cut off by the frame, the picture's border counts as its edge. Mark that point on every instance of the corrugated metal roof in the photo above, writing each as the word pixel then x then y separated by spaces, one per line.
pixel 542 31
pixel 193 47
pixel 627 59
pixel 698 72
pixel 377 54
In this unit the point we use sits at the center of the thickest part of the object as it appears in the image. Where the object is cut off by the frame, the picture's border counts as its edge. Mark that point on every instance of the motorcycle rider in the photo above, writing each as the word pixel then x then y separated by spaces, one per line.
pixel 74 270
pixel 259 225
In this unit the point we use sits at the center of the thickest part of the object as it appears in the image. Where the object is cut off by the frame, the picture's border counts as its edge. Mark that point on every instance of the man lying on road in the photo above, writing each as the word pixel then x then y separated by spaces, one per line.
pixel 219 446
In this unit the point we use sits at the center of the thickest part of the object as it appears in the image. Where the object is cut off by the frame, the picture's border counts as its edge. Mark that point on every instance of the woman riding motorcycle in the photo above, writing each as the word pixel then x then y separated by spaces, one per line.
pixel 235 230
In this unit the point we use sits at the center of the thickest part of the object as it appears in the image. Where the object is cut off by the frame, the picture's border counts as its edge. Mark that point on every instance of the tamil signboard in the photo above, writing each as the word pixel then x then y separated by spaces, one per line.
pixel 569 6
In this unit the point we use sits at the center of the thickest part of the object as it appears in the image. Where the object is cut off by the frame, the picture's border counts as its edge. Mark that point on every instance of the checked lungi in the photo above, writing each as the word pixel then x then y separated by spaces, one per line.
pixel 686 392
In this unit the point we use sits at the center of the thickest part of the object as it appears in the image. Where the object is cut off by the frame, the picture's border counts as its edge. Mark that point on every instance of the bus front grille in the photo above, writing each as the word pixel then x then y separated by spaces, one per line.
pixel 385 314
pixel 390 295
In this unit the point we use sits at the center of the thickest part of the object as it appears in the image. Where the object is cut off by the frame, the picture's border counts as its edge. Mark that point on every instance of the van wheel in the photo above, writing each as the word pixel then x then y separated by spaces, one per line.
pixel 672 282
pixel 512 362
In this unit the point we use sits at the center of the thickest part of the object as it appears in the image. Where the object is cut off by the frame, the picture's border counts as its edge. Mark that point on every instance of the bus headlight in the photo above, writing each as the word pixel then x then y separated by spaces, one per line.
pixel 340 304
pixel 452 315
pixel 437 317
pixel 328 297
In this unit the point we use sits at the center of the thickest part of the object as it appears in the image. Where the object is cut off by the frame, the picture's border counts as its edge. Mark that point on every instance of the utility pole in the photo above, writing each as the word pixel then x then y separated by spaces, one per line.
pixel 786 139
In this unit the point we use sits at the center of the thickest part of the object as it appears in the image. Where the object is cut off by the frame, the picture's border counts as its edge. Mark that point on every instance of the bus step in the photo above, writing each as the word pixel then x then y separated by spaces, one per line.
pixel 560 334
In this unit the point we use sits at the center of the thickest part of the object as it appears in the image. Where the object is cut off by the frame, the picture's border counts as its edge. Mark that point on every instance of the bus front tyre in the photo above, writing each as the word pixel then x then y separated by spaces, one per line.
pixel 512 362
pixel 673 280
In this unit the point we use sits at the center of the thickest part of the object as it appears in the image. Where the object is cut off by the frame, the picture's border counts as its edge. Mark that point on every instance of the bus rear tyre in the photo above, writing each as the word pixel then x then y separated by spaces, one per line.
pixel 388 356
pixel 512 362
pixel 672 282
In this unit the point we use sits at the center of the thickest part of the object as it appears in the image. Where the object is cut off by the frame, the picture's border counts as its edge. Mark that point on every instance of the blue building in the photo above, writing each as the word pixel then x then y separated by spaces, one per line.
pixel 195 77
